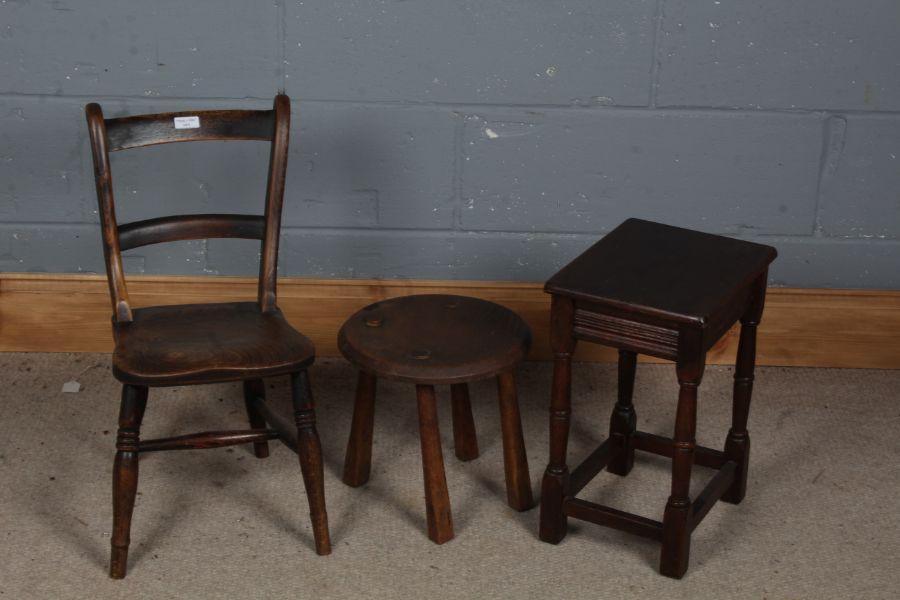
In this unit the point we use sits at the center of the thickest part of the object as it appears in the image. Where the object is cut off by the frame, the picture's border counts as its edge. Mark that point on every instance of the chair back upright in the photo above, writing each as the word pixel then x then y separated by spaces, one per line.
pixel 138 131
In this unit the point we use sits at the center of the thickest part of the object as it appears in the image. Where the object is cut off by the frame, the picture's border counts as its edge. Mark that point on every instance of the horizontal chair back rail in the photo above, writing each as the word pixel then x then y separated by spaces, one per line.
pixel 211 125
pixel 190 227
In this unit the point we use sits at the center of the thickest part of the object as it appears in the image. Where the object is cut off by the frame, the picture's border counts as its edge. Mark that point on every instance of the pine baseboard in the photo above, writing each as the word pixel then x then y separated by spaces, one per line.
pixel 800 327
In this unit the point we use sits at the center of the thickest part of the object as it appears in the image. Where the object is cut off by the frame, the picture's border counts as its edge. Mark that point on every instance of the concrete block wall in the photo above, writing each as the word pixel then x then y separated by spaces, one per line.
pixel 463 139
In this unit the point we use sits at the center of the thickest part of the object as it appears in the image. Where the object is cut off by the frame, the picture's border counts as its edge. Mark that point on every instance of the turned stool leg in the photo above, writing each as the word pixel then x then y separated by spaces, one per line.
pixel 465 441
pixel 309 451
pixel 676 534
pixel 253 389
pixel 125 475
pixel 737 444
pixel 556 477
pixel 623 422
pixel 437 500
pixel 358 462
pixel 515 461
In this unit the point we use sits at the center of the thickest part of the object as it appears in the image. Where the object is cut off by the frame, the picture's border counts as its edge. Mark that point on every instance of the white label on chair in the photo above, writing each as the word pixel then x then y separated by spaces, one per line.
pixel 187 122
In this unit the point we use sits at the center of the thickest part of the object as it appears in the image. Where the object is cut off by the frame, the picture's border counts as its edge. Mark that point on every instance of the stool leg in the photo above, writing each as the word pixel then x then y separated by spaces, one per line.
pixel 253 389
pixel 623 422
pixel 676 535
pixel 358 461
pixel 125 475
pixel 515 461
pixel 437 500
pixel 737 444
pixel 309 451
pixel 465 442
pixel 556 477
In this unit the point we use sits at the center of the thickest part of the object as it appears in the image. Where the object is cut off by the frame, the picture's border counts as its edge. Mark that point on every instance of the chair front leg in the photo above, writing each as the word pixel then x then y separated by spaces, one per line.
pixel 309 450
pixel 125 475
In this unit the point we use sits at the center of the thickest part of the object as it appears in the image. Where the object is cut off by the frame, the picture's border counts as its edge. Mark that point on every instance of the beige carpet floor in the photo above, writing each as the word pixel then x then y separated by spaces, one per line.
pixel 820 519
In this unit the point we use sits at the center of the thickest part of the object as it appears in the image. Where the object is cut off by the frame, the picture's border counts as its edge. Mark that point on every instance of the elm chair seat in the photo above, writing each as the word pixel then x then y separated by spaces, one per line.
pixel 207 343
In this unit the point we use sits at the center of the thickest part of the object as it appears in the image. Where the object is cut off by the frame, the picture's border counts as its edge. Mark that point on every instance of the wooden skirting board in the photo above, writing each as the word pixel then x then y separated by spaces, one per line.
pixel 800 327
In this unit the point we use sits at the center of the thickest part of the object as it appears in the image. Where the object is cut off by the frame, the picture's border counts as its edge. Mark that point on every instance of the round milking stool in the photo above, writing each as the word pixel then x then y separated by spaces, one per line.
pixel 433 340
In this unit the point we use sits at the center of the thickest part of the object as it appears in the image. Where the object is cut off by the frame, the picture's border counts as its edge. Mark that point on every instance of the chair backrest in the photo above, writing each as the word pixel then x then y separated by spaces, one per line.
pixel 111 135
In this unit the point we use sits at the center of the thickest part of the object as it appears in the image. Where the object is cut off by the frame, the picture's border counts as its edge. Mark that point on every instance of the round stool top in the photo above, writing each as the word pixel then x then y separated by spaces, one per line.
pixel 438 339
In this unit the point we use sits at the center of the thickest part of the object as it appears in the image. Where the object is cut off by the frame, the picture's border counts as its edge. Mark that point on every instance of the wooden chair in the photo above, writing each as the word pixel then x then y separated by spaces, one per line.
pixel 203 343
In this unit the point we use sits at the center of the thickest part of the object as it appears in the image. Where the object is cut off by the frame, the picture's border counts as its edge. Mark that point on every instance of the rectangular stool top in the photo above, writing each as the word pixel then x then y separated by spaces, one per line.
pixel 662 271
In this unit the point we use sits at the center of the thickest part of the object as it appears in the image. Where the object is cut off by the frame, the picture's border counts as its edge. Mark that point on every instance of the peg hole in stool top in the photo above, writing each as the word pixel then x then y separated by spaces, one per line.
pixel 435 339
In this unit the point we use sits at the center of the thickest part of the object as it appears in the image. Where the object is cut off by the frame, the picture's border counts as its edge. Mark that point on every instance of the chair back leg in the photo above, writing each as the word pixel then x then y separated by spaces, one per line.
pixel 253 389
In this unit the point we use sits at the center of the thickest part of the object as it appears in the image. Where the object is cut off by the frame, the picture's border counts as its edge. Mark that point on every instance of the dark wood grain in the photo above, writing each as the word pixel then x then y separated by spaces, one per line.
pixel 125 475
pixel 146 130
pixel 707 498
pixel 206 343
pixel 662 446
pixel 208 439
pixel 255 389
pixel 555 484
pixel 611 517
pixel 515 460
pixel 623 422
pixel 737 444
pixel 680 263
pixel 595 462
pixel 190 227
pixel 670 293
pixel 465 440
pixel 437 499
pixel 358 461
pixel 191 344
pixel 309 452
pixel 676 539
pixel 435 338
pixel 428 339
pixel 112 254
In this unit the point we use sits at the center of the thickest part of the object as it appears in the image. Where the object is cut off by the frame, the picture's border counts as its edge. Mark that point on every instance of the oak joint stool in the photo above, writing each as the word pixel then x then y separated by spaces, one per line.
pixel 670 293
pixel 430 340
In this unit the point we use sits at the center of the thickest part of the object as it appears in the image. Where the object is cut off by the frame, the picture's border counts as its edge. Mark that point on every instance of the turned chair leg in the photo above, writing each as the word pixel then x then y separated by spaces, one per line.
pixel 358 460
pixel 125 475
pixel 309 450
pixel 465 441
pixel 437 500
pixel 676 533
pixel 623 422
pixel 253 389
pixel 515 460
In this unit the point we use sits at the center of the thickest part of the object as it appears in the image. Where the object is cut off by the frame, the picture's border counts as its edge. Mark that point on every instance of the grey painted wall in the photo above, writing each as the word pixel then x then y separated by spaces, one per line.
pixel 461 139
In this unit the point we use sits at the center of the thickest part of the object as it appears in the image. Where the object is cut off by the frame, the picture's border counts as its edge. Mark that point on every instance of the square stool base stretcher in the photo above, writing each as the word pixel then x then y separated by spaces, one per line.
pixel 670 293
